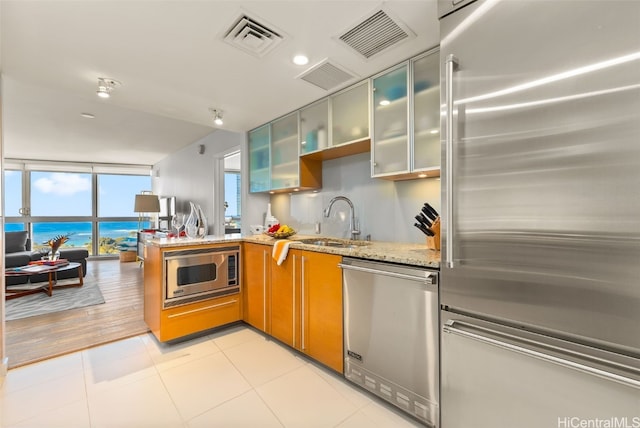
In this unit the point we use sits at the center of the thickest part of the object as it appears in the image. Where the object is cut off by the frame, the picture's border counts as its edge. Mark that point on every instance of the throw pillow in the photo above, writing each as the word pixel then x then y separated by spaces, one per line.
pixel 15 241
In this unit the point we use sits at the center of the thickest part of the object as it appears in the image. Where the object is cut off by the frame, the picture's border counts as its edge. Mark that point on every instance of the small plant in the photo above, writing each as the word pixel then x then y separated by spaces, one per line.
pixel 57 242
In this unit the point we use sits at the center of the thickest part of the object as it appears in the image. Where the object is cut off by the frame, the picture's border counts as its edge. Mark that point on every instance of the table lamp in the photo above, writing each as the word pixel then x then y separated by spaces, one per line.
pixel 146 202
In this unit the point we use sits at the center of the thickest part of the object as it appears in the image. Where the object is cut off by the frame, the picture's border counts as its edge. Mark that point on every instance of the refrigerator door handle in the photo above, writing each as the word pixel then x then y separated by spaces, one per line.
pixel 450 327
pixel 451 64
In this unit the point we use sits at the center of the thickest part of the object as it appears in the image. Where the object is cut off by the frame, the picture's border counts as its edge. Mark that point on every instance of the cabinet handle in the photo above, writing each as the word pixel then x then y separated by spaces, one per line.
pixel 264 290
pixel 451 65
pixel 206 308
pixel 302 285
pixel 293 312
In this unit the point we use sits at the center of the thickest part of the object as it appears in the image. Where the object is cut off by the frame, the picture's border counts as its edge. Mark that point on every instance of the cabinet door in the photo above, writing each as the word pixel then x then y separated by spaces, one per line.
pixel 259 159
pixel 256 284
pixel 314 127
pixel 285 299
pixel 350 115
pixel 426 111
pixel 284 152
pixel 321 309
pixel 390 149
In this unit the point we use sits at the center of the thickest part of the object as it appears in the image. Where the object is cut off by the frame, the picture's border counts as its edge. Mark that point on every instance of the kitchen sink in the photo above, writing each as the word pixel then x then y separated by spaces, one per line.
pixel 335 243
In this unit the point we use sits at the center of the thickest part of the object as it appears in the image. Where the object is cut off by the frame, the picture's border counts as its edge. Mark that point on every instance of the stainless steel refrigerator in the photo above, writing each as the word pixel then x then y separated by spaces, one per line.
pixel 540 278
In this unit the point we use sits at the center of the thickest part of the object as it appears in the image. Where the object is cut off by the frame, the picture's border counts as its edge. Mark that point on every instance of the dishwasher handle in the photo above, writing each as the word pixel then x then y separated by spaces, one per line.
pixel 429 278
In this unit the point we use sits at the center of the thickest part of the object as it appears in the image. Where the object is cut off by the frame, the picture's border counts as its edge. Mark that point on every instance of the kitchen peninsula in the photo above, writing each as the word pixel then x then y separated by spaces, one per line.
pixel 232 301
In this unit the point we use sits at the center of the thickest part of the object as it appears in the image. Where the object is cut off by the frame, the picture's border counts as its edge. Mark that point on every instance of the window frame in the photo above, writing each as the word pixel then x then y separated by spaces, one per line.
pixel 26 167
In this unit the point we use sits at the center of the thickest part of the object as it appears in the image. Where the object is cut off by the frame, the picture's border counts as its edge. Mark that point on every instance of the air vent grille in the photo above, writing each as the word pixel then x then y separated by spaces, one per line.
pixel 375 34
pixel 252 37
pixel 326 75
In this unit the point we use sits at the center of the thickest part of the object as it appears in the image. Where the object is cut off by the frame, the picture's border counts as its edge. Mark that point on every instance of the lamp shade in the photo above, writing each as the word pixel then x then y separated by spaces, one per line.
pixel 147 204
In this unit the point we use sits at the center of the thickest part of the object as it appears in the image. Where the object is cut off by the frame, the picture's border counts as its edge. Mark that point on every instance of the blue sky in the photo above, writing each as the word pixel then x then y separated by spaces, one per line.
pixel 69 194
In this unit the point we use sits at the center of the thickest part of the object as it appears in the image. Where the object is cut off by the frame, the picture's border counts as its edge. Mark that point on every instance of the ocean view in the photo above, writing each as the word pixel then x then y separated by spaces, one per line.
pixel 80 232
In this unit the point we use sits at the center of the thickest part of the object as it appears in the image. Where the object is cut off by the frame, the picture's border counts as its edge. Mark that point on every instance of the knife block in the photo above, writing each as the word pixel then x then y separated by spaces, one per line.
pixel 433 242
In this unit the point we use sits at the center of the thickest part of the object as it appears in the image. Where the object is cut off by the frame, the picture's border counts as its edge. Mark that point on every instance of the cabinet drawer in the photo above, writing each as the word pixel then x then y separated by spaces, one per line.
pixel 188 319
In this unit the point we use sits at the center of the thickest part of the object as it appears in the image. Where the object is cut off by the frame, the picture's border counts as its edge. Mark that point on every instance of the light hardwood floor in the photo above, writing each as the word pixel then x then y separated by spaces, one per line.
pixel 37 338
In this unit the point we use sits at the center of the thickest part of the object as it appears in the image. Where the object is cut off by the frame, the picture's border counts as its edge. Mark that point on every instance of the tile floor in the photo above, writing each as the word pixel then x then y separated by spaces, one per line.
pixel 232 378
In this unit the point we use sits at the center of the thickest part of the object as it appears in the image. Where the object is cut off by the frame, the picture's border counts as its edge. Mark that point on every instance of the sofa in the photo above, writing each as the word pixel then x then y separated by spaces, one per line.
pixel 17 252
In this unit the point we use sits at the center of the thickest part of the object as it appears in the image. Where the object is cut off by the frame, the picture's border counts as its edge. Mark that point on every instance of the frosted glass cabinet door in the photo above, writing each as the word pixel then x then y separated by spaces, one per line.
pixel 284 152
pixel 390 113
pixel 259 159
pixel 314 127
pixel 350 114
pixel 426 107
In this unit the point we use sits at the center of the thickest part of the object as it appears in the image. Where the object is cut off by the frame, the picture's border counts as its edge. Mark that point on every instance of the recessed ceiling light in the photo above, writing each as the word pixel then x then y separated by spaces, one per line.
pixel 385 102
pixel 434 131
pixel 300 60
pixel 422 175
pixel 217 116
pixel 105 86
pixel 88 115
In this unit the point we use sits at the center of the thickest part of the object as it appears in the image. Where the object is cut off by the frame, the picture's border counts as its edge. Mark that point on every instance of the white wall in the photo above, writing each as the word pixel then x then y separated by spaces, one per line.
pixel 191 176
pixel 384 209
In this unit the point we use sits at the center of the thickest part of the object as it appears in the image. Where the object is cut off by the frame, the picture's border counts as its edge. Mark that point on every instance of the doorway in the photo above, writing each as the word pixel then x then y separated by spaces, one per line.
pixel 232 193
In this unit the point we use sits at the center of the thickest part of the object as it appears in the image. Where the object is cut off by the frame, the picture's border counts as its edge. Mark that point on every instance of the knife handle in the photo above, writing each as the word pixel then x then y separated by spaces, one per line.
pixel 428 213
pixel 423 220
pixel 431 210
pixel 423 229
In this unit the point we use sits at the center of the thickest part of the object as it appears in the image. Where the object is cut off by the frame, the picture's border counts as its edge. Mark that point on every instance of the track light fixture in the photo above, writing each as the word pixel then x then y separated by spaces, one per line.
pixel 105 86
pixel 217 116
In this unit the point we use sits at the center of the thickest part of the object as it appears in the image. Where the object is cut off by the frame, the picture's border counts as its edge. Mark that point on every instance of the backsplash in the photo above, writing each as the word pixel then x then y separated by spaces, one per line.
pixel 384 209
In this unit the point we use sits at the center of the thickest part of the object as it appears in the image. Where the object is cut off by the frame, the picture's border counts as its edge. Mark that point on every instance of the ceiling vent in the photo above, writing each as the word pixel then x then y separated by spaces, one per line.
pixel 252 37
pixel 326 75
pixel 375 34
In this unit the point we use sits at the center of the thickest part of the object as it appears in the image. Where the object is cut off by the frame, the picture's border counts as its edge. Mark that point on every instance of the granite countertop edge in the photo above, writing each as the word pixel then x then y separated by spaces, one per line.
pixel 394 252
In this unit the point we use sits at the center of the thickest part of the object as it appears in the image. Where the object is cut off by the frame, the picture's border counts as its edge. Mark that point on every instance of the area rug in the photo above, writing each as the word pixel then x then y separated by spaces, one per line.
pixel 63 299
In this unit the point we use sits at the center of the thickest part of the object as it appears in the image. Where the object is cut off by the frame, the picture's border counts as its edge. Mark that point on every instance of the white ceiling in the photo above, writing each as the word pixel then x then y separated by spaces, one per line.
pixel 173 65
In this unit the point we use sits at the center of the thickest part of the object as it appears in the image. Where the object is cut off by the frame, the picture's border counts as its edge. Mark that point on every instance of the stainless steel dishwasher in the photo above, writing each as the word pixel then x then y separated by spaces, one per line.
pixel 391 334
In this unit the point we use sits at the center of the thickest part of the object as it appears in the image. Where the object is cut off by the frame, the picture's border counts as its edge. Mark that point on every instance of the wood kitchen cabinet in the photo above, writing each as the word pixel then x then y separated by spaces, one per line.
pixel 321 318
pixel 285 299
pixel 257 285
pixel 179 321
pixel 306 305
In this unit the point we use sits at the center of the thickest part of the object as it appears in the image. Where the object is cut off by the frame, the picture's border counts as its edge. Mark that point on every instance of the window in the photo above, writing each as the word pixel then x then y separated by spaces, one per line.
pixel 55 194
pixel 12 193
pixel 93 204
pixel 232 193
pixel 116 194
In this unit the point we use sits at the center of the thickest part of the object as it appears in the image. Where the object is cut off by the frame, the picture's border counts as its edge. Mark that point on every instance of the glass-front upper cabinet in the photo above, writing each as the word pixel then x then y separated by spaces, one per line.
pixel 350 114
pixel 314 125
pixel 259 159
pixel 426 112
pixel 390 148
pixel 284 152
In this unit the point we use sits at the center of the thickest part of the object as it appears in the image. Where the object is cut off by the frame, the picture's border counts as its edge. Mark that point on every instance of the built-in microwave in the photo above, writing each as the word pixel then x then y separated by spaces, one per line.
pixel 193 275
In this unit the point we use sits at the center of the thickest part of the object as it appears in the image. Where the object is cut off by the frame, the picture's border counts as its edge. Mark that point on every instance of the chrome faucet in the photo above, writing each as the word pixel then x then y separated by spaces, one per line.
pixel 352 221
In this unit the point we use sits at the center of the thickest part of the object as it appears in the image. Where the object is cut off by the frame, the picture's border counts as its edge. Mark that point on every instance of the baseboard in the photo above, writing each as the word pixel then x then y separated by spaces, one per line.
pixel 4 367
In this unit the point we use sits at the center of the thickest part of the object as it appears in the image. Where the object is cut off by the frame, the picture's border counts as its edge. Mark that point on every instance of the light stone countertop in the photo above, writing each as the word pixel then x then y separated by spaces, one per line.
pixel 395 252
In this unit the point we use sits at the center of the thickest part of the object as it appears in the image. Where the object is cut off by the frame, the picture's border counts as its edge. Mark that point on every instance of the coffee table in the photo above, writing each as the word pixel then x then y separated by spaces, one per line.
pixel 46 287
